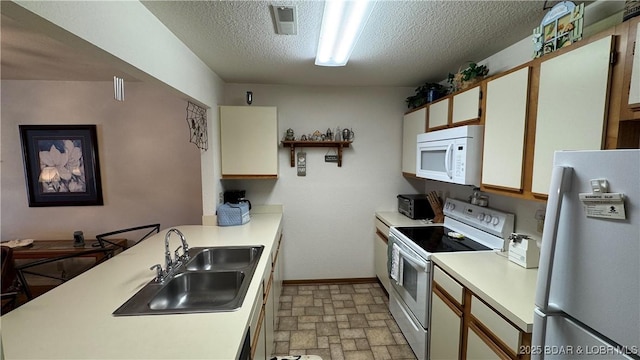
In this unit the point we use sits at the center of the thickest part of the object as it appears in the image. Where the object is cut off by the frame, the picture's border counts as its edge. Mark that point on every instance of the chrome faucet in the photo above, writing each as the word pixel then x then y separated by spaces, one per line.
pixel 170 265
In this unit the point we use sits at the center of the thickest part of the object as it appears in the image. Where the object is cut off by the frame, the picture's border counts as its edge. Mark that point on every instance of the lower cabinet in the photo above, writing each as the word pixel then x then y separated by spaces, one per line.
pixel 380 239
pixel 464 327
pixel 478 349
pixel 447 319
pixel 265 308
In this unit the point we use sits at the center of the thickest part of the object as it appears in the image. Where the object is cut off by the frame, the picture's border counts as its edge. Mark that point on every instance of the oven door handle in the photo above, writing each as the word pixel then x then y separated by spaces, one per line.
pixel 415 262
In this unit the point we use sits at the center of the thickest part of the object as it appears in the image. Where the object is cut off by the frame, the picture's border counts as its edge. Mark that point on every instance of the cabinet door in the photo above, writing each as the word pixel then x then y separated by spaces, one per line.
pixel 477 349
pixel 269 319
pixel 438 114
pixel 414 123
pixel 496 324
pixel 380 253
pixel 634 91
pixel 248 141
pixel 504 130
pixel 572 101
pixel 446 323
pixel 466 106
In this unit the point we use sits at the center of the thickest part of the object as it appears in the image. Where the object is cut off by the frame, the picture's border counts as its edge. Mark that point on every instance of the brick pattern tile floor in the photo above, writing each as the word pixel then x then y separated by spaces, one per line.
pixel 338 322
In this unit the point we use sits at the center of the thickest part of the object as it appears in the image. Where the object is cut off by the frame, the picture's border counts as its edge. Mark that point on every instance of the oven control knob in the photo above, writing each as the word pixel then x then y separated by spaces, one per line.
pixel 481 216
pixel 487 218
pixel 451 206
pixel 496 220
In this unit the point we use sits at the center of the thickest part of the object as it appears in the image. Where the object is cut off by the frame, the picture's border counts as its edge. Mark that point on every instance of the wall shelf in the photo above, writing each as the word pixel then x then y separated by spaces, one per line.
pixel 293 144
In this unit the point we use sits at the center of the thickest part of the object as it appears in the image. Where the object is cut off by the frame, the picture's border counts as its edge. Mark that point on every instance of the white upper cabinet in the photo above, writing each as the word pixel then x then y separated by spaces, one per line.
pixel 439 114
pixel 504 130
pixel 249 141
pixel 414 123
pixel 572 103
pixel 634 91
pixel 466 106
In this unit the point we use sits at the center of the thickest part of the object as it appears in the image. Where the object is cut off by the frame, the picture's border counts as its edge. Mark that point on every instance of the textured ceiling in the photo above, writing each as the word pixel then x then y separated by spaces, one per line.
pixel 405 43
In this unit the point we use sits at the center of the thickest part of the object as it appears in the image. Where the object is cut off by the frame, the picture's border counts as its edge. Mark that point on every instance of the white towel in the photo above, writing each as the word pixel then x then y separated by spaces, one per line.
pixel 396 271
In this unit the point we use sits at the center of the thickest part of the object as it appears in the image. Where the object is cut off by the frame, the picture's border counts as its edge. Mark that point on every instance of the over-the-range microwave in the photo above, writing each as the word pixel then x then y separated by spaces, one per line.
pixel 451 155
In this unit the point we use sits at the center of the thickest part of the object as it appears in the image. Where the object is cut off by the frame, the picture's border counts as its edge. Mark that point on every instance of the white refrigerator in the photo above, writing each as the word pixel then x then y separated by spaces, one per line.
pixel 588 288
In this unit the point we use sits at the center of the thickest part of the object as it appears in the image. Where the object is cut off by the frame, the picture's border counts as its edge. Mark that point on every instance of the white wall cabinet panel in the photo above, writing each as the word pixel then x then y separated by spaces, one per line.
pixel 466 105
pixel 413 123
pixel 634 91
pixel 439 114
pixel 504 130
pixel 249 141
pixel 571 106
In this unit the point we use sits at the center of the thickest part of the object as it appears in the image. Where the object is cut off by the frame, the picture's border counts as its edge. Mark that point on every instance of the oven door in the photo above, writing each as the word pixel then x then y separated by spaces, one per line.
pixel 410 279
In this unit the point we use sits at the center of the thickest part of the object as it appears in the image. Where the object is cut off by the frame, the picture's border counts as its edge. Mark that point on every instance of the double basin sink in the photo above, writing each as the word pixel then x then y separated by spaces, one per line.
pixel 214 279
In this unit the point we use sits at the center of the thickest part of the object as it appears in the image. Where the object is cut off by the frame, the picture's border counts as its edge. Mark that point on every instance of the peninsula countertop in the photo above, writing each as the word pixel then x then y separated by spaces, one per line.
pixel 75 321
pixel 507 287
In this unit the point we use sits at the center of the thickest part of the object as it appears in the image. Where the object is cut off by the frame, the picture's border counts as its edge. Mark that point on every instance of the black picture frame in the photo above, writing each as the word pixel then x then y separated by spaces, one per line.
pixel 61 165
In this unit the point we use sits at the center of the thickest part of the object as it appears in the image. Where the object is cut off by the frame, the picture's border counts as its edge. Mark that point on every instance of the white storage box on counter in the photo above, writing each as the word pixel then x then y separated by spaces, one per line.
pixel 233 214
pixel 524 252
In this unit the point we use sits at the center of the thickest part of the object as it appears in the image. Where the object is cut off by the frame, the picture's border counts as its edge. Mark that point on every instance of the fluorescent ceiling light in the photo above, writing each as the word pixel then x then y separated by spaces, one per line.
pixel 342 24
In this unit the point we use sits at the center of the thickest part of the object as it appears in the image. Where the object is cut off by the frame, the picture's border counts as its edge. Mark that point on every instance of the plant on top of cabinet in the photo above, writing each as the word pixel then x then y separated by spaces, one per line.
pixel 425 94
pixel 467 77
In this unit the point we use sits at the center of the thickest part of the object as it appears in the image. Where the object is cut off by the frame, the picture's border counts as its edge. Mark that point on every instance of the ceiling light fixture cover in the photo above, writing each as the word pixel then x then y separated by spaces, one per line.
pixel 342 24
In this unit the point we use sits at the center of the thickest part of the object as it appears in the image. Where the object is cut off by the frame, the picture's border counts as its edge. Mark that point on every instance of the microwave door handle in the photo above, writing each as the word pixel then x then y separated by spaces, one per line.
pixel 448 160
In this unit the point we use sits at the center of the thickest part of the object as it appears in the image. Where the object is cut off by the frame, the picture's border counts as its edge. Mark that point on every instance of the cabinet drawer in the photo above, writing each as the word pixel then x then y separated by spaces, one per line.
pixel 446 282
pixel 382 227
pixel 502 329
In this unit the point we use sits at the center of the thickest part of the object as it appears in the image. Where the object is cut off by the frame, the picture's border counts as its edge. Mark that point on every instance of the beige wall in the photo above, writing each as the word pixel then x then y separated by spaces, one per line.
pixel 150 170
pixel 329 213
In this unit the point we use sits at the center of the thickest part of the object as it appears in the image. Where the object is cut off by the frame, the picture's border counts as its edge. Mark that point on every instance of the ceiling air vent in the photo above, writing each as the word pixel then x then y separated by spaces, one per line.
pixel 285 17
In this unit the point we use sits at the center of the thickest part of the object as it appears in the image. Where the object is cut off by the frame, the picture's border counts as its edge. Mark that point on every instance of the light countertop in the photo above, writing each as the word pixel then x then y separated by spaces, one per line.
pixel 508 288
pixel 75 321
pixel 394 218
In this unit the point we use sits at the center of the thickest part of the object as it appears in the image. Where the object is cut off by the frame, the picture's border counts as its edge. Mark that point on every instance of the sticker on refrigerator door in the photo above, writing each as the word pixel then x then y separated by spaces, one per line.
pixel 606 205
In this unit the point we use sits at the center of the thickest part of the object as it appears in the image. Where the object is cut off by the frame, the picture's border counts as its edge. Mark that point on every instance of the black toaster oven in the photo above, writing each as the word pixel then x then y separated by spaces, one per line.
pixel 415 206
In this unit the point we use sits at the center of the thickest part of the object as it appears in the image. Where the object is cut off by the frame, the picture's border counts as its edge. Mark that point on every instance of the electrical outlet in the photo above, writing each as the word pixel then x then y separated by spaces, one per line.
pixel 220 198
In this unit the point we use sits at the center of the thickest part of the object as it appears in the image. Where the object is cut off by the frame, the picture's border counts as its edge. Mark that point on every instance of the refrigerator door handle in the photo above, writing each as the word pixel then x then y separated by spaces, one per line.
pixel 539 334
pixel 560 183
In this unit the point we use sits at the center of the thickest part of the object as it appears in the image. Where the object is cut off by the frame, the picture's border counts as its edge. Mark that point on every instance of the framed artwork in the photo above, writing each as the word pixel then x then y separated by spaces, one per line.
pixel 61 165
pixel 560 27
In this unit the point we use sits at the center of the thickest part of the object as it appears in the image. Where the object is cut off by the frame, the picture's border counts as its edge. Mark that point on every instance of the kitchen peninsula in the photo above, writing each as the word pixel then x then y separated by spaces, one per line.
pixel 75 321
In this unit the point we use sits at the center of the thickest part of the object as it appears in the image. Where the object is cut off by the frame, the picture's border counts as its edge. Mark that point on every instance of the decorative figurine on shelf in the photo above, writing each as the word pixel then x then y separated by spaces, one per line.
pixel 317 135
pixel 329 135
pixel 303 137
pixel 347 135
pixel 289 136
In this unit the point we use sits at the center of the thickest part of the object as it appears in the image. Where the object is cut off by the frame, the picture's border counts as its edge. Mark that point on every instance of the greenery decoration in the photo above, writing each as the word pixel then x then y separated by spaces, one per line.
pixel 425 94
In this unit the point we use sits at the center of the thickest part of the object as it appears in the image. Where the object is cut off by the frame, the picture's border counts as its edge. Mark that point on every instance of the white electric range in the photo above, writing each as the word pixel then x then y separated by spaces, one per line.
pixel 466 228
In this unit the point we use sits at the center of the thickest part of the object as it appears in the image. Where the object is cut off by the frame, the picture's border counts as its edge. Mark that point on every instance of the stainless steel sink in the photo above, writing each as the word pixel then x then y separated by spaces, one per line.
pixel 223 258
pixel 200 290
pixel 216 279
